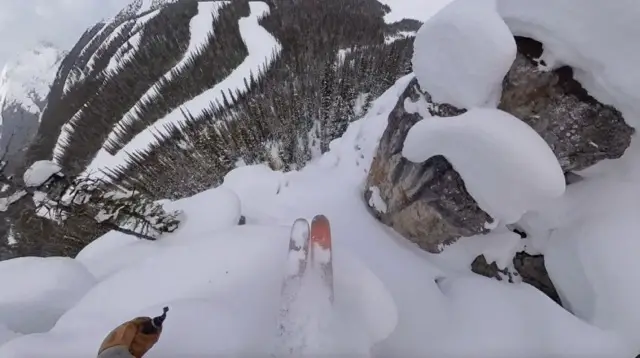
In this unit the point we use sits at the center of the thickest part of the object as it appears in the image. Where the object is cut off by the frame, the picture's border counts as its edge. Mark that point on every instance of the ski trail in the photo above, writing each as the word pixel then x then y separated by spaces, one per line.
pixel 261 46
pixel 201 29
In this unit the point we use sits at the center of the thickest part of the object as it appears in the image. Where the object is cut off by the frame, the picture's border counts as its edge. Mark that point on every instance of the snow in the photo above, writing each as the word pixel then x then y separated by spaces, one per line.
pixel 605 61
pixel 506 166
pixel 112 36
pixel 7 201
pixel 26 80
pixel 376 200
pixel 39 172
pixel 114 250
pixel 462 54
pixel 261 46
pixel 411 9
pixel 131 45
pixel 200 30
pixel 386 298
pixel 223 281
pixel 39 290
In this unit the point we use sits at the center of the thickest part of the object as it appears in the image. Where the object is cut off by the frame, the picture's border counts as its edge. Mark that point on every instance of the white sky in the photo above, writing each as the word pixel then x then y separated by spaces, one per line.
pixel 25 22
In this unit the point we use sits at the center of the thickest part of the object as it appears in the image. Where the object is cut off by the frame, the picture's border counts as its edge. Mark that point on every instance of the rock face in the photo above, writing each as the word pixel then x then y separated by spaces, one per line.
pixel 527 268
pixel 426 202
pixel 580 130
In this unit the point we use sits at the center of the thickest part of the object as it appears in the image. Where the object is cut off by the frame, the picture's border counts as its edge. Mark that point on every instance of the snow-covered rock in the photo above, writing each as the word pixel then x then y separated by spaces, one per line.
pixel 596 38
pixel 39 172
pixel 506 166
pixel 580 130
pixel 46 289
pixel 463 52
pixel 425 202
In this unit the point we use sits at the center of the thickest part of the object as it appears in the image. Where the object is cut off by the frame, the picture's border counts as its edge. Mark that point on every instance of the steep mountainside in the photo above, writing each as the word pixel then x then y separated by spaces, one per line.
pixel 168 96
pixel 24 85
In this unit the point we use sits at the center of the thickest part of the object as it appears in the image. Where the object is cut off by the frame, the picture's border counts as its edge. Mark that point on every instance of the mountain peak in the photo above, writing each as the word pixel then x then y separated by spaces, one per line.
pixel 26 79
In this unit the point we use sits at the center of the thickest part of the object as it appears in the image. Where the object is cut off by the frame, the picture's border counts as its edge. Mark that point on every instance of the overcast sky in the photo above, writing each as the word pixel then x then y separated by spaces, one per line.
pixel 25 22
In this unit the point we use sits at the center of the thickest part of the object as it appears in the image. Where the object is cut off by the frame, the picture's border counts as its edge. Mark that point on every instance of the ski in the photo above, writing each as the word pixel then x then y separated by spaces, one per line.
pixel 321 253
pixel 298 249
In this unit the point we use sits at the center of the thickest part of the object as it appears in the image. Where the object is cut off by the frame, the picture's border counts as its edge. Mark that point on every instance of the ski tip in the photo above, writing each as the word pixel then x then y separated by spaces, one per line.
pixel 321 231
pixel 320 219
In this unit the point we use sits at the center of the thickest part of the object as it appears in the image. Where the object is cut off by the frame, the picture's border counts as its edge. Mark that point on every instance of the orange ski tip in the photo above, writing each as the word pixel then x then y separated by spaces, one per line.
pixel 321 231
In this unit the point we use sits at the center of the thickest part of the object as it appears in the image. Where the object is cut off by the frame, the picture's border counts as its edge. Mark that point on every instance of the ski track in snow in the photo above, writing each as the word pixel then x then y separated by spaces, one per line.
pixel 113 65
pixel 261 45
pixel 201 28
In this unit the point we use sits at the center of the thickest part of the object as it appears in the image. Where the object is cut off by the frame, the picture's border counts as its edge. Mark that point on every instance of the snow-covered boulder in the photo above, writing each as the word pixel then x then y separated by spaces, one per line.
pixel 506 166
pixel 39 172
pixel 37 291
pixel 580 130
pixel 463 52
pixel 425 202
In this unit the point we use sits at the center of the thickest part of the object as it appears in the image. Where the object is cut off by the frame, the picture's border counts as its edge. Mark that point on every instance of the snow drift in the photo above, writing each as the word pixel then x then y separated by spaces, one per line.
pixel 462 54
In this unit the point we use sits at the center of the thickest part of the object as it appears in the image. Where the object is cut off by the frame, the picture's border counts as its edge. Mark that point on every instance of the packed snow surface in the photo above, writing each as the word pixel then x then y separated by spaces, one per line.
pixel 462 54
pixel 222 281
pixel 506 166
pixel 39 172
pixel 27 79
pixel 261 46
pixel 200 31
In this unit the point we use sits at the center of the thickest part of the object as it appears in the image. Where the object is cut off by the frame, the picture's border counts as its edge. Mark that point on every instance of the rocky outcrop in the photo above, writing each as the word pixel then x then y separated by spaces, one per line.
pixel 580 130
pixel 526 268
pixel 426 202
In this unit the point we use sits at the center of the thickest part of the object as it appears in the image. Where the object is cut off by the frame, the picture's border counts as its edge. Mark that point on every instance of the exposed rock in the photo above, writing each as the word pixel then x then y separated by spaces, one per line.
pixel 580 130
pixel 532 270
pixel 426 202
pixel 526 268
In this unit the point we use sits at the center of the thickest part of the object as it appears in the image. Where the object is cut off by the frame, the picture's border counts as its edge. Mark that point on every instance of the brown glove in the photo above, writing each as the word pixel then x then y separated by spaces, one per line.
pixel 129 335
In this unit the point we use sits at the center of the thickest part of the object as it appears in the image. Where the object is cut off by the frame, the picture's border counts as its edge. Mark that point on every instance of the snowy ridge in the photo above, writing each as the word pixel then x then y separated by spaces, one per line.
pixel 201 30
pixel 261 46
pixel 27 79
pixel 113 65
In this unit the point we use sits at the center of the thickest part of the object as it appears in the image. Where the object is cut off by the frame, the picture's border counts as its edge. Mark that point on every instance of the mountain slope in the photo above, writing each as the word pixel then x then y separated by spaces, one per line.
pixel 24 86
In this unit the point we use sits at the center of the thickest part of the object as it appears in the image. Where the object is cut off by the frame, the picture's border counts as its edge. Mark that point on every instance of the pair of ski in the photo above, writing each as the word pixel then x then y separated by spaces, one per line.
pixel 307 288
pixel 310 249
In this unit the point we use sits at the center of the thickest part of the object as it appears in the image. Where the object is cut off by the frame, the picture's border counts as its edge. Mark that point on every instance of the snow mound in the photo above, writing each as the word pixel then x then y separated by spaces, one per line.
pixel 593 260
pixel 597 38
pixel 115 251
pixel 38 291
pixel 261 46
pixel 39 172
pixel 27 79
pixel 462 54
pixel 506 166
pixel 6 334
pixel 232 278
